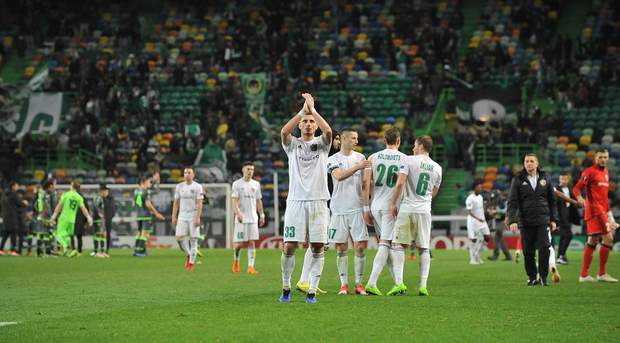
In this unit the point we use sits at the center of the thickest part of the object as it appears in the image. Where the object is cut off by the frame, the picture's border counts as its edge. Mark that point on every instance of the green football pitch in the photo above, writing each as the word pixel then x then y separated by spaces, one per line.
pixel 154 299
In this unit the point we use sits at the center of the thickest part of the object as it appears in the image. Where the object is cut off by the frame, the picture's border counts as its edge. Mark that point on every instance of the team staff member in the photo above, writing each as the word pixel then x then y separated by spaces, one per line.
pixel 568 215
pixel 109 211
pixel 12 208
pixel 532 204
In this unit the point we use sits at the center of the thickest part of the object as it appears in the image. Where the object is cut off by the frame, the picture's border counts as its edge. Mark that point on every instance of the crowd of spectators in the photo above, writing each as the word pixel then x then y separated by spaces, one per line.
pixel 112 61
pixel 516 44
pixel 112 70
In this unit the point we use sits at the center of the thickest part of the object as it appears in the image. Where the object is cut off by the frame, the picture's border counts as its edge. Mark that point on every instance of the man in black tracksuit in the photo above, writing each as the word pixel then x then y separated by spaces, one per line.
pixel 80 228
pixel 568 215
pixel 12 209
pixel 532 207
pixel 109 212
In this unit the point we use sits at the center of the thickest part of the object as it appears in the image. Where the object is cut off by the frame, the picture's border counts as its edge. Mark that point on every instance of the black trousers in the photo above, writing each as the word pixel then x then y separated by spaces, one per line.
pixel 566 235
pixel 13 238
pixel 78 236
pixel 12 232
pixel 108 231
pixel 533 238
pixel 20 241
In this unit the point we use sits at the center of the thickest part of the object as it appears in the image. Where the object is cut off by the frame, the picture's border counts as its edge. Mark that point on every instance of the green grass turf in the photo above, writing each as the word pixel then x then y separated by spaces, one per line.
pixel 154 299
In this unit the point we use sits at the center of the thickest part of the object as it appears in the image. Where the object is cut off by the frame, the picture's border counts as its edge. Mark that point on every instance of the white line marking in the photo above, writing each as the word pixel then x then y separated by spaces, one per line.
pixel 7 323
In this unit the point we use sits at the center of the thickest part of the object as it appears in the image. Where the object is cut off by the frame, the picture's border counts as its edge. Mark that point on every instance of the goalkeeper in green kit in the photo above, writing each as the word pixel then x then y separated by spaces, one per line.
pixel 67 209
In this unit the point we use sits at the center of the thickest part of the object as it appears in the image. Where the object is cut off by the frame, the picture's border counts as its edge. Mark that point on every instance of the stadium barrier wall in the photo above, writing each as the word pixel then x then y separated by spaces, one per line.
pixel 217 221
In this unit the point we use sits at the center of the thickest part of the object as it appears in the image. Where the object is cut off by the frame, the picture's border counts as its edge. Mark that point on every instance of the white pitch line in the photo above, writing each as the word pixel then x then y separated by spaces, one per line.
pixel 7 323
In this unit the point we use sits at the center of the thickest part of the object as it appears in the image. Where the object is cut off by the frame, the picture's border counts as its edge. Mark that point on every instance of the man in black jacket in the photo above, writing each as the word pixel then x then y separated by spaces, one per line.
pixel 532 206
pixel 80 229
pixel 12 208
pixel 568 215
pixel 109 212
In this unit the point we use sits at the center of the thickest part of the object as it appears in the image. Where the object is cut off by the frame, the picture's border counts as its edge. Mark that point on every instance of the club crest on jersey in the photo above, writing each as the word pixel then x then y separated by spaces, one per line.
pixel 314 147
pixel 543 182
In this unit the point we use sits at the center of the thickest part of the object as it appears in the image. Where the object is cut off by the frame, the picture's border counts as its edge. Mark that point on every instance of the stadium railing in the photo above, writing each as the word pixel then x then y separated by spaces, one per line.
pixel 62 159
pixel 502 154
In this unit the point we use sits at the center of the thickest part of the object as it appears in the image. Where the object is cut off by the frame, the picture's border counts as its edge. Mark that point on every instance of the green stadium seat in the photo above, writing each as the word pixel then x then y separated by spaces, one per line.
pixel 610 131
pixel 580 154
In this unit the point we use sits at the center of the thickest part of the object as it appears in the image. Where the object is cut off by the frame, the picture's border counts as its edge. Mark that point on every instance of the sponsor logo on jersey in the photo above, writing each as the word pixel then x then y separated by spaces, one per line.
pixel 308 159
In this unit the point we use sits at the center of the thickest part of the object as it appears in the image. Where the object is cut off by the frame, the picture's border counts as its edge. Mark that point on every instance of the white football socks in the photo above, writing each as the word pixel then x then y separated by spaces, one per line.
pixel 390 262
pixel 479 245
pixel 472 251
pixel 251 256
pixel 183 245
pixel 287 263
pixel 425 266
pixel 398 253
pixel 360 266
pixel 552 257
pixel 305 270
pixel 343 267
pixel 381 258
pixel 193 250
pixel 316 268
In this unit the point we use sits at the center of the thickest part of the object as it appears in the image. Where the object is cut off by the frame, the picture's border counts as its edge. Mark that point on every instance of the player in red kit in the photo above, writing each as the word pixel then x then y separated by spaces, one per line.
pixel 600 222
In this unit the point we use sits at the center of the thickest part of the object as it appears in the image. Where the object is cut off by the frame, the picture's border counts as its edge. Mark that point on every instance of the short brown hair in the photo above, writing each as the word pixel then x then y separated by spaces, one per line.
pixel 426 142
pixel 530 154
pixel 391 135
pixel 76 185
pixel 348 129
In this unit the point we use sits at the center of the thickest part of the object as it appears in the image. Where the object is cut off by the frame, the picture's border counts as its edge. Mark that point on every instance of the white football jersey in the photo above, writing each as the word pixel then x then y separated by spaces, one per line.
pixel 475 204
pixel 347 194
pixel 187 196
pixel 423 174
pixel 247 192
pixel 385 166
pixel 307 169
